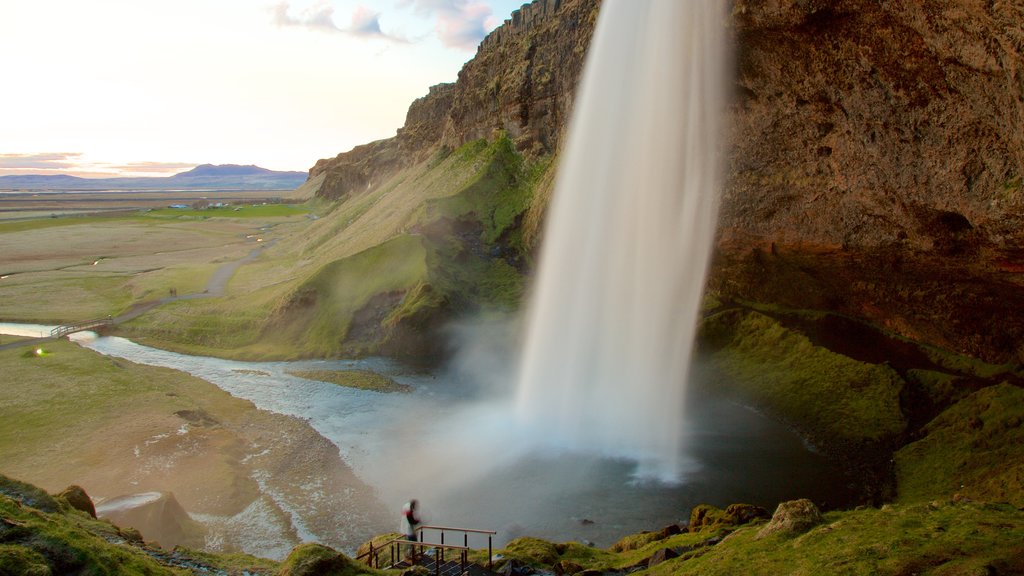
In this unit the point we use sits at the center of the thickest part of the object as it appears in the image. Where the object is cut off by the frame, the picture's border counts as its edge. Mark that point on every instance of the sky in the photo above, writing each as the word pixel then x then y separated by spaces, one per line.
pixel 100 88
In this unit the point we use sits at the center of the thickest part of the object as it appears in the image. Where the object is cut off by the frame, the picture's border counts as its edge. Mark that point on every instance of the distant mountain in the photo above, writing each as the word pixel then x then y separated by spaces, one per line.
pixel 202 177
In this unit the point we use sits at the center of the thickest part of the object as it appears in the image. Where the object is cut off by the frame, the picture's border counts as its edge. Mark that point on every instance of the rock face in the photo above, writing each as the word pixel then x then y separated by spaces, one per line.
pixel 876 165
pixel 521 81
pixel 877 155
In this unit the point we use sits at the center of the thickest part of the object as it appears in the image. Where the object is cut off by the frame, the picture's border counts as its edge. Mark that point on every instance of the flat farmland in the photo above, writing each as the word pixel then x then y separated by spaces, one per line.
pixel 64 269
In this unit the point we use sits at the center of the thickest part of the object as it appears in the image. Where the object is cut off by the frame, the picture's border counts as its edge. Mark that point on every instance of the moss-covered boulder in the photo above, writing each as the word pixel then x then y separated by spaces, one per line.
pixel 533 551
pixel 376 543
pixel 76 497
pixel 708 518
pixel 792 517
pixel 313 559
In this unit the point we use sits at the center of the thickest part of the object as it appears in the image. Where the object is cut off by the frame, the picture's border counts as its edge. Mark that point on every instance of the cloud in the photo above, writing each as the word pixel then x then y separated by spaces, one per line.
pixel 149 167
pixel 40 161
pixel 365 23
pixel 73 164
pixel 461 24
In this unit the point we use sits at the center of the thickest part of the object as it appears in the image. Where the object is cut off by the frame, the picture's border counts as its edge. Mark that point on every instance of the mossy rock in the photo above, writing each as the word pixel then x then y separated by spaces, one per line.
pixel 378 542
pixel 314 559
pixel 76 497
pixel 28 494
pixel 708 518
pixel 792 517
pixel 533 551
pixel 636 541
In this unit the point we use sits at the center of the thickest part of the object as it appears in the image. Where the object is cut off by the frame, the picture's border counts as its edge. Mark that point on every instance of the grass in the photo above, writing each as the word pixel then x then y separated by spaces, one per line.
pixel 943 538
pixel 76 417
pixel 35 542
pixel 361 379
pixel 975 449
pixel 240 211
pixel 940 538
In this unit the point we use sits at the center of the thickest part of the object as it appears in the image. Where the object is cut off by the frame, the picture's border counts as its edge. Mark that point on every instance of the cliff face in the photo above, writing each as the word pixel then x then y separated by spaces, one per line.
pixel 522 81
pixel 876 158
pixel 864 123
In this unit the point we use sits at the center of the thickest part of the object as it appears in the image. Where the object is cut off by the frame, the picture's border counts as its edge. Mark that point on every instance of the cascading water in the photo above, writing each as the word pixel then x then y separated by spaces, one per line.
pixel 613 314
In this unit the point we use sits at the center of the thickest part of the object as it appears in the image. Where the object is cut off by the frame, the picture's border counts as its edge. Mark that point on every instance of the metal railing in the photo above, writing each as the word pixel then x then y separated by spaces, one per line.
pixel 65 329
pixel 392 550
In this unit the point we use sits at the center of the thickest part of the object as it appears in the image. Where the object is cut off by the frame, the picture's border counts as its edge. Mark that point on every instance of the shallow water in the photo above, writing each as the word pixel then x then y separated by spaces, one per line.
pixel 441 445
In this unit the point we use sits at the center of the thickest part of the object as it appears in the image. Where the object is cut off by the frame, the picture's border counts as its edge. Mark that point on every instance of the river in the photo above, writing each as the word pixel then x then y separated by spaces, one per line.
pixel 443 445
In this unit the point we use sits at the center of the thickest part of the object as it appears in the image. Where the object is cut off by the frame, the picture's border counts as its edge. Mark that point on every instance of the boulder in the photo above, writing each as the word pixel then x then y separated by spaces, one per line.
pixel 78 499
pixel 793 517
pixel 705 517
pixel 670 530
pixel 312 559
pixel 661 555
pixel 157 515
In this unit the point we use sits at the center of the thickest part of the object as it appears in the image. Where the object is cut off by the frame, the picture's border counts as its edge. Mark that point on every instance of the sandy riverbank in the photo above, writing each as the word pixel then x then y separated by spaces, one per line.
pixel 75 417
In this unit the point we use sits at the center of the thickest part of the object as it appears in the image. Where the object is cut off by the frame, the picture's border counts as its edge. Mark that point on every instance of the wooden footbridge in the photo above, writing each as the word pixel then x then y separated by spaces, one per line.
pixel 65 329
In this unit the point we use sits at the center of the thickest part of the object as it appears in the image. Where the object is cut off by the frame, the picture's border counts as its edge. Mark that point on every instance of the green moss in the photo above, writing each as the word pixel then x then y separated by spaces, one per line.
pixel 533 551
pixel 833 398
pixel 65 543
pixel 240 211
pixel 362 379
pixel 21 561
pixel 27 494
pixel 975 448
pixel 313 559
pixel 937 539
pixel 236 564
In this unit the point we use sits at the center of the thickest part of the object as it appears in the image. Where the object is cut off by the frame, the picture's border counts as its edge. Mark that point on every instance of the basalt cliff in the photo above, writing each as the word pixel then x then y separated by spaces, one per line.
pixel 875 162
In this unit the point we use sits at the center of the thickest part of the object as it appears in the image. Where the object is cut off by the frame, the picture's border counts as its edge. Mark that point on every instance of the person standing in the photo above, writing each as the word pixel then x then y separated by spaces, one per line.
pixel 410 519
pixel 410 522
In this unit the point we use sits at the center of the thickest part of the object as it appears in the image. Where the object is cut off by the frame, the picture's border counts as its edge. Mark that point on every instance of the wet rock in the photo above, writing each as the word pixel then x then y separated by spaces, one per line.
pixel 670 530
pixel 78 499
pixel 661 556
pixel 516 568
pixel 793 517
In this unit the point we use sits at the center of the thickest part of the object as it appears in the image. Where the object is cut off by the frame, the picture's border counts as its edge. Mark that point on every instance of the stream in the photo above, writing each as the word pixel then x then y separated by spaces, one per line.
pixel 454 452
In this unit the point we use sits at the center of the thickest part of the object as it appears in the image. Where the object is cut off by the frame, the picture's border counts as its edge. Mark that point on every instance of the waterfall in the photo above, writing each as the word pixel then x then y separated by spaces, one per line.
pixel 613 313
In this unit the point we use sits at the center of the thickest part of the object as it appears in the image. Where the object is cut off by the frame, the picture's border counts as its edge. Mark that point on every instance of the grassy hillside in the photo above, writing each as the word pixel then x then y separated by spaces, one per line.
pixel 378 271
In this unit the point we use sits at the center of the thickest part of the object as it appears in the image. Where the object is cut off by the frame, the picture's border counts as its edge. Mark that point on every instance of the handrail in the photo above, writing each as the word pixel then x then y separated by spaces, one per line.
pixel 65 329
pixel 465 537
pixel 373 555
pixel 449 529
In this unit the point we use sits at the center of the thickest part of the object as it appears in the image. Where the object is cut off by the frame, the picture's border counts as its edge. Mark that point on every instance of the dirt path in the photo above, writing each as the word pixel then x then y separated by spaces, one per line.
pixel 215 287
